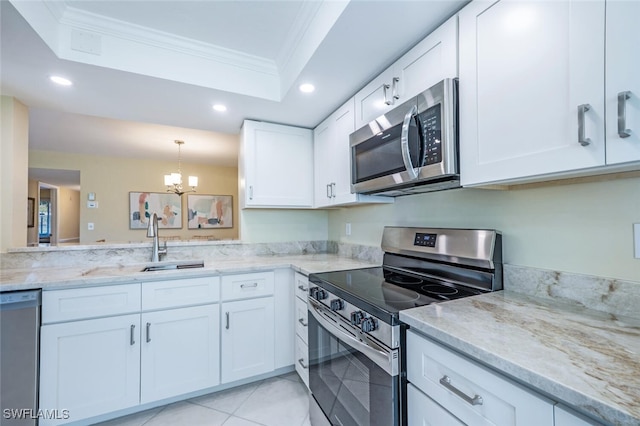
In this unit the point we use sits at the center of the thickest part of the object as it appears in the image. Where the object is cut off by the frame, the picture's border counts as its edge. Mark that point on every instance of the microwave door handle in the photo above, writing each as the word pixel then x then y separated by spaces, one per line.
pixel 404 143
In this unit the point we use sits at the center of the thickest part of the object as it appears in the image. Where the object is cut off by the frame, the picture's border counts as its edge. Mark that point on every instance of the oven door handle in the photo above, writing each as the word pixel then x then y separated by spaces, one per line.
pixel 381 356
pixel 404 143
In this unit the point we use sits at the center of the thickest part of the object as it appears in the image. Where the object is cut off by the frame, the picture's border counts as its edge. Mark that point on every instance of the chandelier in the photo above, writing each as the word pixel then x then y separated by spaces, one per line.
pixel 173 181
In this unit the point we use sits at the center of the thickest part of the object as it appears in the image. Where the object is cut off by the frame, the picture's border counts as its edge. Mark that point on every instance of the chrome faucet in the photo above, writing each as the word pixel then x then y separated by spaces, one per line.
pixel 152 232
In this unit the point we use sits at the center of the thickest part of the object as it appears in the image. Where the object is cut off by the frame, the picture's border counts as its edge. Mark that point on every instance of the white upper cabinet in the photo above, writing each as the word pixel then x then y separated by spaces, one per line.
pixel 431 60
pixel 532 101
pixel 623 81
pixel 275 166
pixel 332 161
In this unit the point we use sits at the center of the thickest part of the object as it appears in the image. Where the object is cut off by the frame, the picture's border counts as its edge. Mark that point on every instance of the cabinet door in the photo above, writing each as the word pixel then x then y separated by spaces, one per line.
pixel 90 367
pixel 343 125
pixel 322 167
pixel 302 360
pixel 180 351
pixel 374 99
pixel 302 320
pixel 247 338
pixel 564 416
pixel 623 77
pixel 525 68
pixel 278 165
pixel 430 61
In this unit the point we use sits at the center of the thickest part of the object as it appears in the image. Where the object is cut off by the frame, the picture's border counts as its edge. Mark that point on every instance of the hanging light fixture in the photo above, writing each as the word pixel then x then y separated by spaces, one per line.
pixel 174 180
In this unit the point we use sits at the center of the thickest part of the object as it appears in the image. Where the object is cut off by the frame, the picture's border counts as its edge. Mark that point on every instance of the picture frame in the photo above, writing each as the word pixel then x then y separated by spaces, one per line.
pixel 209 211
pixel 31 212
pixel 168 207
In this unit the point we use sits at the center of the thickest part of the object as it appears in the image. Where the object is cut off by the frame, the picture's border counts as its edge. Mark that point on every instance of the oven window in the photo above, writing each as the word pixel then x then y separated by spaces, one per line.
pixel 350 389
pixel 382 154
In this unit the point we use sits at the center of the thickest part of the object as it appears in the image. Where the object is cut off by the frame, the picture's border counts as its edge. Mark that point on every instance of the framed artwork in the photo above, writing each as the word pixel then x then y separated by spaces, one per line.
pixel 31 212
pixel 210 211
pixel 167 206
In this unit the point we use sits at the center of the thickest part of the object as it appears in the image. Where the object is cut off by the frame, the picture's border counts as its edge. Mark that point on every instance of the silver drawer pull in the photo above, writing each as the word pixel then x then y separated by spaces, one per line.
pixel 252 285
pixel 227 325
pixel 301 321
pixel 302 363
pixel 582 110
pixel 301 287
pixel 623 132
pixel 148 332
pixel 446 382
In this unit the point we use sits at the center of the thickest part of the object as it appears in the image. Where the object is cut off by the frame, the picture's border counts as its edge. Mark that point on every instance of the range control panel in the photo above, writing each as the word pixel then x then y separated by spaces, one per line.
pixel 425 240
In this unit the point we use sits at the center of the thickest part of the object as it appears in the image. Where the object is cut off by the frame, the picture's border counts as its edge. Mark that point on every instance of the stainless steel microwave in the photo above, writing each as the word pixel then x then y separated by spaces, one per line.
pixel 412 148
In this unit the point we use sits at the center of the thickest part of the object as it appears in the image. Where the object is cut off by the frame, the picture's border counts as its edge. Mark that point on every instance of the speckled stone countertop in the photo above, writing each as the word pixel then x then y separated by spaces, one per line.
pixel 585 358
pixel 77 276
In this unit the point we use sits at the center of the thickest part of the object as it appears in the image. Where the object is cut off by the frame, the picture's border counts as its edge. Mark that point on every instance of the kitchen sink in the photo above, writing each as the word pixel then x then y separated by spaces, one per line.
pixel 173 265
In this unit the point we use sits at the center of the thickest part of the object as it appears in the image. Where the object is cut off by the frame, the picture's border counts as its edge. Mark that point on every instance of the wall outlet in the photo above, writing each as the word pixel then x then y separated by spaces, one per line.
pixel 347 229
pixel 636 239
pixel 90 226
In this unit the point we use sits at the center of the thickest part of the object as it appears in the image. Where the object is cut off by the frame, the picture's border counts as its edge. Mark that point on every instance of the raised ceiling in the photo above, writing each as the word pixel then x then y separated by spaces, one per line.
pixel 148 72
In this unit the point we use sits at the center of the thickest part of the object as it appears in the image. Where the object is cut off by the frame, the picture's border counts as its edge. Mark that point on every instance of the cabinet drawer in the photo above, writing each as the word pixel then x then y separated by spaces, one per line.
pixel 423 411
pixel 302 286
pixel 302 320
pixel 246 286
pixel 498 400
pixel 176 293
pixel 92 302
pixel 302 360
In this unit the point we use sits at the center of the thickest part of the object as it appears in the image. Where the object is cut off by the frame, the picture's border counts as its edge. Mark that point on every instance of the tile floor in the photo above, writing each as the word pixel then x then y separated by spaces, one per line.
pixel 278 401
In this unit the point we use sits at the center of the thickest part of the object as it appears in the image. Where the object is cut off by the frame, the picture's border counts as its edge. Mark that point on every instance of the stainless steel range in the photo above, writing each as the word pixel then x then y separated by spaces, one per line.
pixel 356 359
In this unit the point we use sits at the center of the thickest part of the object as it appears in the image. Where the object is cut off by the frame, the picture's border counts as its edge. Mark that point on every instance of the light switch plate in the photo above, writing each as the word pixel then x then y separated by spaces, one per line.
pixel 90 226
pixel 636 239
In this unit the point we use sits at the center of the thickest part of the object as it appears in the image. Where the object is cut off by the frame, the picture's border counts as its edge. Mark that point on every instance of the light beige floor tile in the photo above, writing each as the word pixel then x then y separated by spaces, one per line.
pixel 228 400
pixel 237 421
pixel 185 413
pixel 276 402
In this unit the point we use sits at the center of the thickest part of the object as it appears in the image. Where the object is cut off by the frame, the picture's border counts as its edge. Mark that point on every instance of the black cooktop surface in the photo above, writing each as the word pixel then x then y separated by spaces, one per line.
pixel 384 292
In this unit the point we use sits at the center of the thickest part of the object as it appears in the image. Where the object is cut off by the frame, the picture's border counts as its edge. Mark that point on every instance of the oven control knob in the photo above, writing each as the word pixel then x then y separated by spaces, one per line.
pixel 368 325
pixel 336 305
pixel 318 293
pixel 356 317
pixel 313 291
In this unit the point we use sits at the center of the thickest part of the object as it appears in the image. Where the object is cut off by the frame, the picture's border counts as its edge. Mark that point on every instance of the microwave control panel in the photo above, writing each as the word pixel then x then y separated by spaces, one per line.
pixel 431 121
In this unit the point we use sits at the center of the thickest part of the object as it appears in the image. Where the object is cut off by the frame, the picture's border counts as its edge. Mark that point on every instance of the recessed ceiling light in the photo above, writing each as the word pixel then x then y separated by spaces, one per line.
pixel 219 107
pixel 60 80
pixel 307 88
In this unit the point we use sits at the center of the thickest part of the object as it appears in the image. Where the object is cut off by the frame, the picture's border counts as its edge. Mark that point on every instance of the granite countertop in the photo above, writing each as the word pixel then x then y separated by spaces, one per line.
pixel 584 358
pixel 75 276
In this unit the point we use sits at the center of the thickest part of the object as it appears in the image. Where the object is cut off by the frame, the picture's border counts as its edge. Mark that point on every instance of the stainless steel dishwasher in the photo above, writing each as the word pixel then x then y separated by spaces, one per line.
pixel 19 347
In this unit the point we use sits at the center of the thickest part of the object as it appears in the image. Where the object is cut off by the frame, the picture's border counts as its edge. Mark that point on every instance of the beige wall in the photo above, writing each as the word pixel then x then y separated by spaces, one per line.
pixel 14 143
pixel 69 211
pixel 112 178
pixel 581 228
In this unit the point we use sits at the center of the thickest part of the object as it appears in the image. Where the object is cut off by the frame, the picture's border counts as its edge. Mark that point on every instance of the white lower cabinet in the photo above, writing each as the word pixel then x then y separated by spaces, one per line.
pixel 90 367
pixel 180 351
pixel 247 342
pixel 565 416
pixel 470 392
pixel 302 327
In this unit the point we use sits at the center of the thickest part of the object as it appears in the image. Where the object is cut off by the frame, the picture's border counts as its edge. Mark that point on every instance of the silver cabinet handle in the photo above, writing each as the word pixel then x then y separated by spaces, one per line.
pixel 251 192
pixel 302 363
pixel 301 287
pixel 252 285
pixel 132 340
pixel 148 332
pixel 333 190
pixel 446 382
pixel 227 326
pixel 385 87
pixel 394 88
pixel 582 109
pixel 623 132
pixel 328 190
pixel 301 321
pixel 404 142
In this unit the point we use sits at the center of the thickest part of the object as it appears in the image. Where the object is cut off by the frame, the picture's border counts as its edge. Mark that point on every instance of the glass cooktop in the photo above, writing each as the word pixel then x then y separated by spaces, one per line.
pixel 386 291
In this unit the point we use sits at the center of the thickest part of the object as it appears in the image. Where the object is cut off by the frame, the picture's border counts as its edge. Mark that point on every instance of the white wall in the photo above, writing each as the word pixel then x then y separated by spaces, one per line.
pixel 580 228
pixel 279 225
